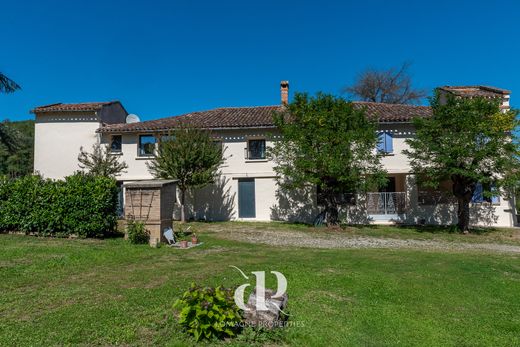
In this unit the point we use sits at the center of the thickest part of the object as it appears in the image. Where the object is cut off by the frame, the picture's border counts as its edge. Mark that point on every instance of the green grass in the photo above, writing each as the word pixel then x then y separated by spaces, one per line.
pixel 106 292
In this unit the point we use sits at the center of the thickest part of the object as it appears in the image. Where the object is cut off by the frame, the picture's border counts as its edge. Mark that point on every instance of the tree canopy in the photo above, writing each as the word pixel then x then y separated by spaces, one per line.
pixel 327 143
pixel 190 156
pixel 469 141
pixel 392 86
pixel 100 162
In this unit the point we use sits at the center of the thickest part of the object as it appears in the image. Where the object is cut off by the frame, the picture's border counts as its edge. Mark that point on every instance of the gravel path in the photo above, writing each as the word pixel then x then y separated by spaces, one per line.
pixel 302 239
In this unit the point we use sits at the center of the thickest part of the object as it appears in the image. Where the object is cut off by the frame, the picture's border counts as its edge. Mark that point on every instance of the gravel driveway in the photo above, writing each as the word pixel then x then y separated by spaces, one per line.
pixel 344 240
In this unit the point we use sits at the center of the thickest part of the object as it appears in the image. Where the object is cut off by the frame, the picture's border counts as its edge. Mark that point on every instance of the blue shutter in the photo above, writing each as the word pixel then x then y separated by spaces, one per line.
pixel 495 199
pixel 389 146
pixel 381 142
pixel 477 195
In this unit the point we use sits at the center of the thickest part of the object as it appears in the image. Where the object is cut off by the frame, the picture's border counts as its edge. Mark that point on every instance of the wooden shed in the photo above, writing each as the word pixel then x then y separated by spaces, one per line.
pixel 151 202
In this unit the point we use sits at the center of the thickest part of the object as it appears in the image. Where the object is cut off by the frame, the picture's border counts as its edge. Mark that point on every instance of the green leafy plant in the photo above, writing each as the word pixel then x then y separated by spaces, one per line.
pixel 80 205
pixel 136 231
pixel 209 313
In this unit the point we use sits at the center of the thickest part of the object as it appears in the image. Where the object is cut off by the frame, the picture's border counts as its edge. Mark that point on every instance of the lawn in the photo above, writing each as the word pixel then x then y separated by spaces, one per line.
pixel 106 292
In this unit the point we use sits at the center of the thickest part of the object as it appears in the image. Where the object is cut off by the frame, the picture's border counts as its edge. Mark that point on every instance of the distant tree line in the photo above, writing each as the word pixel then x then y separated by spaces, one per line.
pixel 16 148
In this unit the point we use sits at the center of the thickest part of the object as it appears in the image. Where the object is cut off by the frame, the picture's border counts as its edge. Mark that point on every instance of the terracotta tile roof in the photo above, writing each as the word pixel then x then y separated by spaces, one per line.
pixel 259 116
pixel 484 91
pixel 393 112
pixel 84 106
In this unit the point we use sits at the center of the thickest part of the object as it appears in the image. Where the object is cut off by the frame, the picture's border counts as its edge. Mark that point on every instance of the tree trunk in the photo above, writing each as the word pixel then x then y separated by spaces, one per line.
pixel 463 215
pixel 463 190
pixel 183 205
pixel 331 209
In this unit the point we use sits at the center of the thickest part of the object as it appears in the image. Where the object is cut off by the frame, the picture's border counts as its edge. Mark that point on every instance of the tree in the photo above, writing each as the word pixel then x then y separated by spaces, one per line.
pixel 7 85
pixel 190 156
pixel 7 139
pixel 468 141
pixel 392 86
pixel 100 162
pixel 327 143
pixel 17 160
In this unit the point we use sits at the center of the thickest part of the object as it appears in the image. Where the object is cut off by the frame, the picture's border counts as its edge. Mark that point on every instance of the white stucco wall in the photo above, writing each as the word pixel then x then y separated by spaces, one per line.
pixel 57 141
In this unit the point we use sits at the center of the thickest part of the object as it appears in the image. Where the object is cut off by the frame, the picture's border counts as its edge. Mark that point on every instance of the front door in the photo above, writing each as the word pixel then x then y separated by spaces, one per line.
pixel 246 198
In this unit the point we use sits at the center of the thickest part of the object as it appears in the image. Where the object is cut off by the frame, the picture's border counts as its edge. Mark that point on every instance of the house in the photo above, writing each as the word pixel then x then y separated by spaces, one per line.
pixel 247 188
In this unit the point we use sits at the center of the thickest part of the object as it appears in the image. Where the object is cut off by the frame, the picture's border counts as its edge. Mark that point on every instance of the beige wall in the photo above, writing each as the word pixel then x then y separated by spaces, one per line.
pixel 57 141
pixel 220 201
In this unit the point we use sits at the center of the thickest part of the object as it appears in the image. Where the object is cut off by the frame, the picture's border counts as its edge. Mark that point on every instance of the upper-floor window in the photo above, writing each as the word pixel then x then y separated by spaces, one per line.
pixel 116 142
pixel 385 142
pixel 256 149
pixel 146 145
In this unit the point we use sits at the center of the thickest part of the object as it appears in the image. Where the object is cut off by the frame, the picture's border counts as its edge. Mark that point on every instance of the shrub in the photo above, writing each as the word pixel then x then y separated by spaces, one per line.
pixel 136 231
pixel 208 312
pixel 80 205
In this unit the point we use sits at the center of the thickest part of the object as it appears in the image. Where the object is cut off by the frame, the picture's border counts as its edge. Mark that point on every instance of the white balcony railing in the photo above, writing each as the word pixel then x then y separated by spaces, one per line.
pixel 386 203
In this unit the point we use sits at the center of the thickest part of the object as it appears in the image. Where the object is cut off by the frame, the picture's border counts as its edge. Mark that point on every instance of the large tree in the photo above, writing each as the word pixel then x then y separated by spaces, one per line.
pixel 391 86
pixel 468 141
pixel 327 143
pixel 190 156
pixel 100 162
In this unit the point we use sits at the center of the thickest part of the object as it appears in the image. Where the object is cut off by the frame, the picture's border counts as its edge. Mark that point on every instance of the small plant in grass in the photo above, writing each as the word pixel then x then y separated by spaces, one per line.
pixel 209 313
pixel 136 231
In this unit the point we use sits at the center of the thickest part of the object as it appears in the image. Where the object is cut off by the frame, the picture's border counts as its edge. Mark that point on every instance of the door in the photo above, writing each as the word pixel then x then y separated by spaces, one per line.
pixel 246 198
pixel 390 186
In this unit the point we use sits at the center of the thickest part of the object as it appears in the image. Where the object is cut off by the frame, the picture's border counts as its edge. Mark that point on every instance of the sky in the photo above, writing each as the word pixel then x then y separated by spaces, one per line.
pixel 165 58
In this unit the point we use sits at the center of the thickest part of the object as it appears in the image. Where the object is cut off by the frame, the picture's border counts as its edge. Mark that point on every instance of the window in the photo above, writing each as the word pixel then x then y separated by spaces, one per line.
pixel 255 149
pixel 479 197
pixel 115 143
pixel 385 142
pixel 146 145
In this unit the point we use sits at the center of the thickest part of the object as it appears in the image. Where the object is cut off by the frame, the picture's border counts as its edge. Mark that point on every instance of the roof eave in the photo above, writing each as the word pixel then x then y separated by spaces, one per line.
pixel 105 130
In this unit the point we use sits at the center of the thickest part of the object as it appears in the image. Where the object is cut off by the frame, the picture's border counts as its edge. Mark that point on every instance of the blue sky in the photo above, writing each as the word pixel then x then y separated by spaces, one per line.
pixel 164 58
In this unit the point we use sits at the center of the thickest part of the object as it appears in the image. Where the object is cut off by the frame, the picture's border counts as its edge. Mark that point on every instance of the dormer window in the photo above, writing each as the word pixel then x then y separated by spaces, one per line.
pixel 116 142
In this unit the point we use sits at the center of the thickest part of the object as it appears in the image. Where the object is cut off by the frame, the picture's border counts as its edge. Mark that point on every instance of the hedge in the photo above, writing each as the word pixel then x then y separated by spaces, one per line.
pixel 80 205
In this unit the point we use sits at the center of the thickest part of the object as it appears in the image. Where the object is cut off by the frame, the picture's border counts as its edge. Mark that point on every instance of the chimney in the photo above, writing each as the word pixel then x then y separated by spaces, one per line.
pixel 284 91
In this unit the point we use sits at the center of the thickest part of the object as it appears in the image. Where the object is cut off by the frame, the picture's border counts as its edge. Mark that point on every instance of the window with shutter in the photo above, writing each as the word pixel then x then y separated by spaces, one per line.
pixel 477 194
pixel 385 142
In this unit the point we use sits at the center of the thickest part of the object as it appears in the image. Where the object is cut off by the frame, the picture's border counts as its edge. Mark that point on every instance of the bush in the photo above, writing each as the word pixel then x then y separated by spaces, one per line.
pixel 80 205
pixel 137 233
pixel 208 313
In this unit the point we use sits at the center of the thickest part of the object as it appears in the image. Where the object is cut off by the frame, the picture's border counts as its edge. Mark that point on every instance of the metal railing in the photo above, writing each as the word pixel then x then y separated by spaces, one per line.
pixel 386 202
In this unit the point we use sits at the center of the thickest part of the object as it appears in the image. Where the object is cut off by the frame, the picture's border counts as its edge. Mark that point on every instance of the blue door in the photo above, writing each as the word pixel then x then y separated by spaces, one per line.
pixel 246 198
